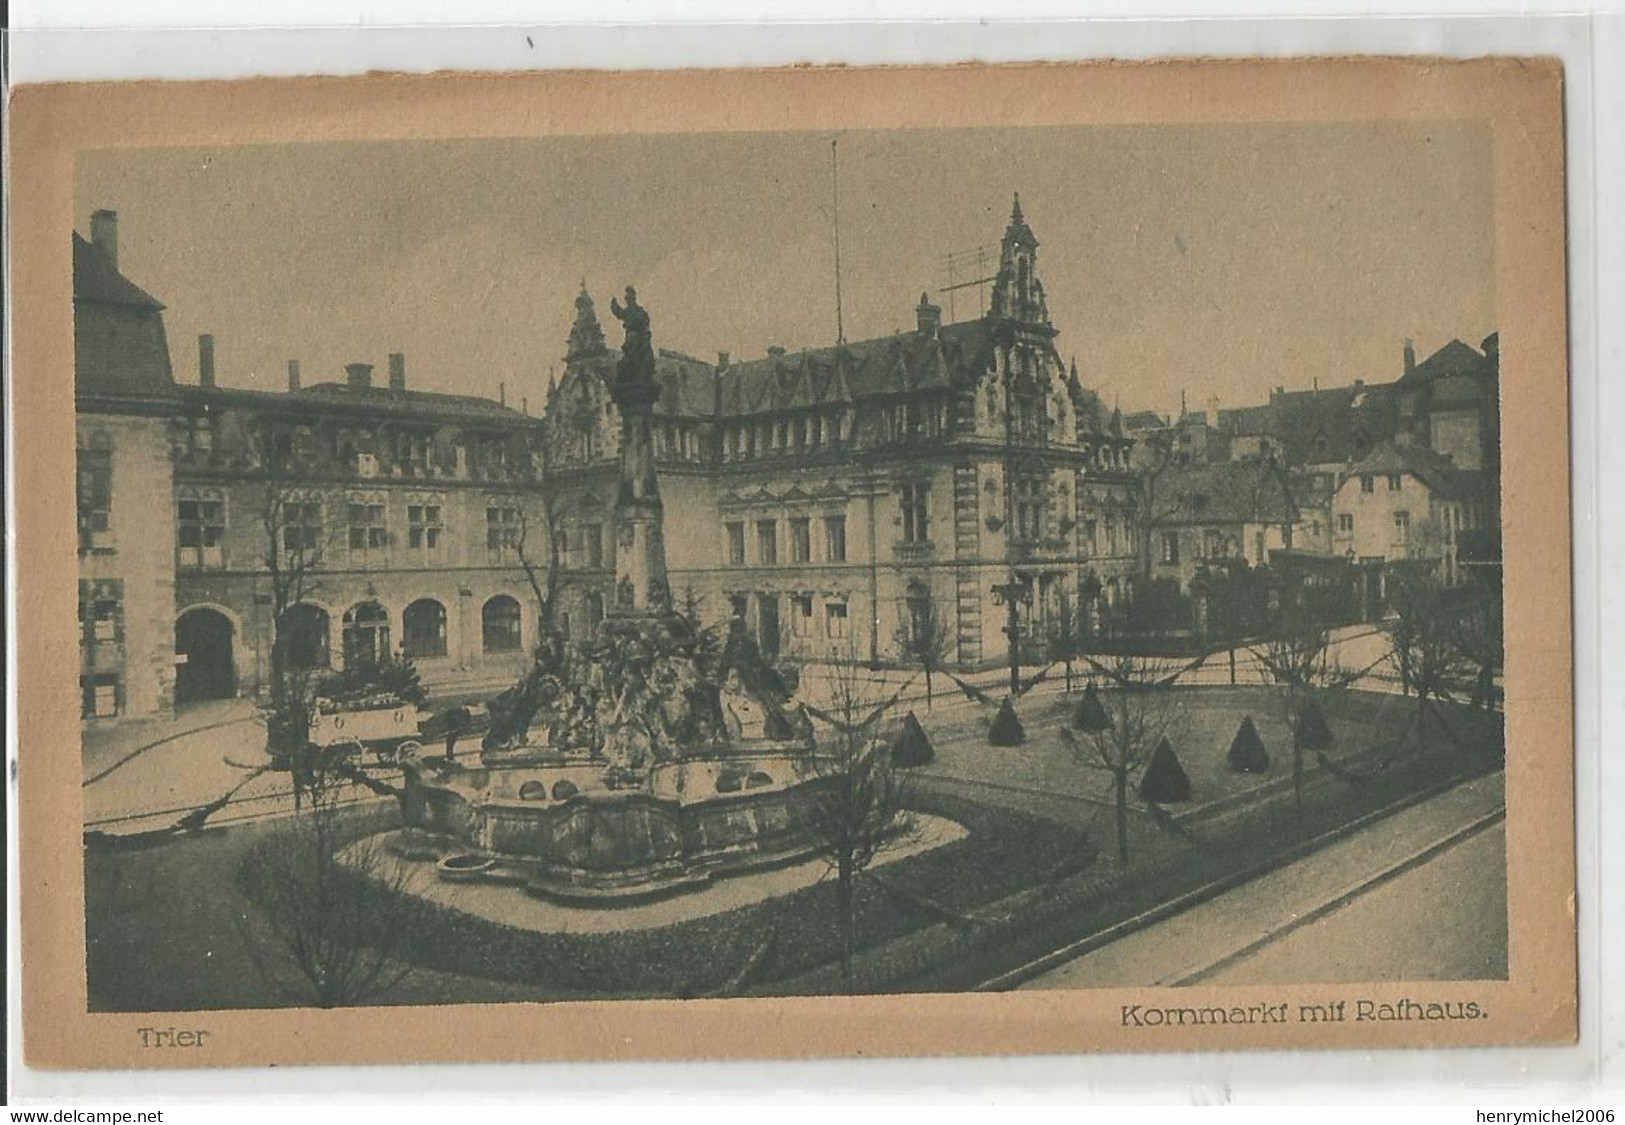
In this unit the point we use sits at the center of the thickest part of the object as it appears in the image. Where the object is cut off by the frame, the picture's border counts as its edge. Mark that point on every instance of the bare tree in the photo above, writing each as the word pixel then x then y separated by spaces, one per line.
pixel 295 538
pixel 856 798
pixel 1296 656
pixel 337 916
pixel 1139 709
pixel 1426 642
pixel 544 586
pixel 925 638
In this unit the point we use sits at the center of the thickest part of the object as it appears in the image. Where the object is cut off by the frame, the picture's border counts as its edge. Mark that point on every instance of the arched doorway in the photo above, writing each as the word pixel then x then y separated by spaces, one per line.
pixel 366 635
pixel 204 637
pixel 304 635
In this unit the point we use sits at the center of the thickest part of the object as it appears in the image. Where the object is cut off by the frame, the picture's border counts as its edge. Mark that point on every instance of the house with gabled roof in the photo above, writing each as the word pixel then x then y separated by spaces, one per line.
pixel 1404 502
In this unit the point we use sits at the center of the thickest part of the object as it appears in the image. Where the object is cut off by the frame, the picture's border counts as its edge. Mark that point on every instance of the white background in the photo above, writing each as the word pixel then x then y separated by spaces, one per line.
pixel 85 39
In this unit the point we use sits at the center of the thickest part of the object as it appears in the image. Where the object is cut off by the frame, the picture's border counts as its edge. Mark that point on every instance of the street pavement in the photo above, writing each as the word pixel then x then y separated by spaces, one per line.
pixel 1420 895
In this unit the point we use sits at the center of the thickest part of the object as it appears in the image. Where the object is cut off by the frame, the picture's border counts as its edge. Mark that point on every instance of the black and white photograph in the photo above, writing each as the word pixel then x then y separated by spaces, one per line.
pixel 695 578
pixel 714 566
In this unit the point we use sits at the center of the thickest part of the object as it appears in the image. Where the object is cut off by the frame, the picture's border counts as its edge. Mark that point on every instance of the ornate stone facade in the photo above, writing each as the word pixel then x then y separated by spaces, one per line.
pixel 829 497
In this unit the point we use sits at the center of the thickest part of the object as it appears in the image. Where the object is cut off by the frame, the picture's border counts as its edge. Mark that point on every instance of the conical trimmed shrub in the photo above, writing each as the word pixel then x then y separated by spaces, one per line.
pixel 1247 753
pixel 1313 732
pixel 1089 715
pixel 912 746
pixel 1006 729
pixel 1165 780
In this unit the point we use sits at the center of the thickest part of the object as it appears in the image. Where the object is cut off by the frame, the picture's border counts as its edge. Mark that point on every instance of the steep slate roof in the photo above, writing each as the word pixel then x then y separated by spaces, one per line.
pixel 384 400
pixel 1433 469
pixel 96 279
pixel 1225 492
pixel 687 385
pixel 119 346
pixel 863 369
pixel 1455 358
pixel 1144 420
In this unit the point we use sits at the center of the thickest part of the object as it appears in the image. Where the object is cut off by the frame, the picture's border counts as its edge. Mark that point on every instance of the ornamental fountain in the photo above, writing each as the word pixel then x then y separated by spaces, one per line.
pixel 651 759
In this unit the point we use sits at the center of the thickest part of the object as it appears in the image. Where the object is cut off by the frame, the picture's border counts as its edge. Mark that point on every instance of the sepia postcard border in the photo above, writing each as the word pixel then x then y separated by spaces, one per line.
pixel 1521 100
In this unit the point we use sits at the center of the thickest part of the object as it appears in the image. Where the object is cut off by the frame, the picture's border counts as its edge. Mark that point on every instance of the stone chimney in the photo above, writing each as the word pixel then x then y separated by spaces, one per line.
pixel 205 360
pixel 293 374
pixel 1492 346
pixel 104 234
pixel 360 374
pixel 723 359
pixel 397 371
pixel 927 317
pixel 1410 355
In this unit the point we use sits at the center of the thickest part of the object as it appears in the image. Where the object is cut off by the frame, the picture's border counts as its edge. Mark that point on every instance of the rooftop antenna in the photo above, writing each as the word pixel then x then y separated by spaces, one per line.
pixel 978 263
pixel 835 192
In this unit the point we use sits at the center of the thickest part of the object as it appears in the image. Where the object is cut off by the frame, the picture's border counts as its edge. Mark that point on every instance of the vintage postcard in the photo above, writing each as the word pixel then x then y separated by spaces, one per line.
pixel 745 564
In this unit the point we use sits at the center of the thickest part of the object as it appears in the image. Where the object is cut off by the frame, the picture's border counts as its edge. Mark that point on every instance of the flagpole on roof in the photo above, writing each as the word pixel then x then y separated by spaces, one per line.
pixel 835 192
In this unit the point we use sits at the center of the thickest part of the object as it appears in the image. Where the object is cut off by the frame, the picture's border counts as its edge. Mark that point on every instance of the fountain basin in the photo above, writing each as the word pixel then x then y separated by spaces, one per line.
pixel 568 833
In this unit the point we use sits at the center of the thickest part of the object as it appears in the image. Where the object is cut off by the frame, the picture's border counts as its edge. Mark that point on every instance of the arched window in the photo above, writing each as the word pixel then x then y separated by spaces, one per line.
pixel 499 622
pixel 304 633
pixel 366 634
pixel 423 629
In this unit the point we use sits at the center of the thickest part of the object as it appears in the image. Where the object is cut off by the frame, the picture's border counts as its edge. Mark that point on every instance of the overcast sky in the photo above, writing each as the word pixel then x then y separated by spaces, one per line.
pixel 1219 259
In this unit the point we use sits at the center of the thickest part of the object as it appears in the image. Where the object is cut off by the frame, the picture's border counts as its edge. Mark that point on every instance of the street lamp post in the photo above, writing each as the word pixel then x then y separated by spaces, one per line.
pixel 1013 595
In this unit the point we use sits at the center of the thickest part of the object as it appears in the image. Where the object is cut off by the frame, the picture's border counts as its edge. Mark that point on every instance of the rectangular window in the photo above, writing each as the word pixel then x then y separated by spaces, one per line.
pixel 834 538
pixel 1111 535
pixel 739 606
pixel 367 529
pixel 801 615
pixel 1367 483
pixel 1212 544
pixel 1393 482
pixel 767 542
pixel 801 539
pixel 200 436
pixel 100 695
pixel 916 513
pixel 425 525
pixel 95 497
pixel 593 536
pixel 736 544
pixel 501 528
pixel 1402 526
pixel 201 530
pixel 1345 523
pixel 1090 533
pixel 835 620
pixel 1029 508
pixel 301 527
pixel 101 612
pixel 1170 548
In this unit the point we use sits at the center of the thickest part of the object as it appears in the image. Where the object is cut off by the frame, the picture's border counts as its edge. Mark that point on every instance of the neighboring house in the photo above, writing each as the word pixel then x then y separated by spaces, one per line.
pixel 827 496
pixel 414 503
pixel 1405 502
pixel 125 395
pixel 1202 513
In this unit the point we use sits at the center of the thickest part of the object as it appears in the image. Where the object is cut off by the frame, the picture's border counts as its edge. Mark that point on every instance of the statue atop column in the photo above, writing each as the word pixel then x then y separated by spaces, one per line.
pixel 640 550
pixel 637 353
